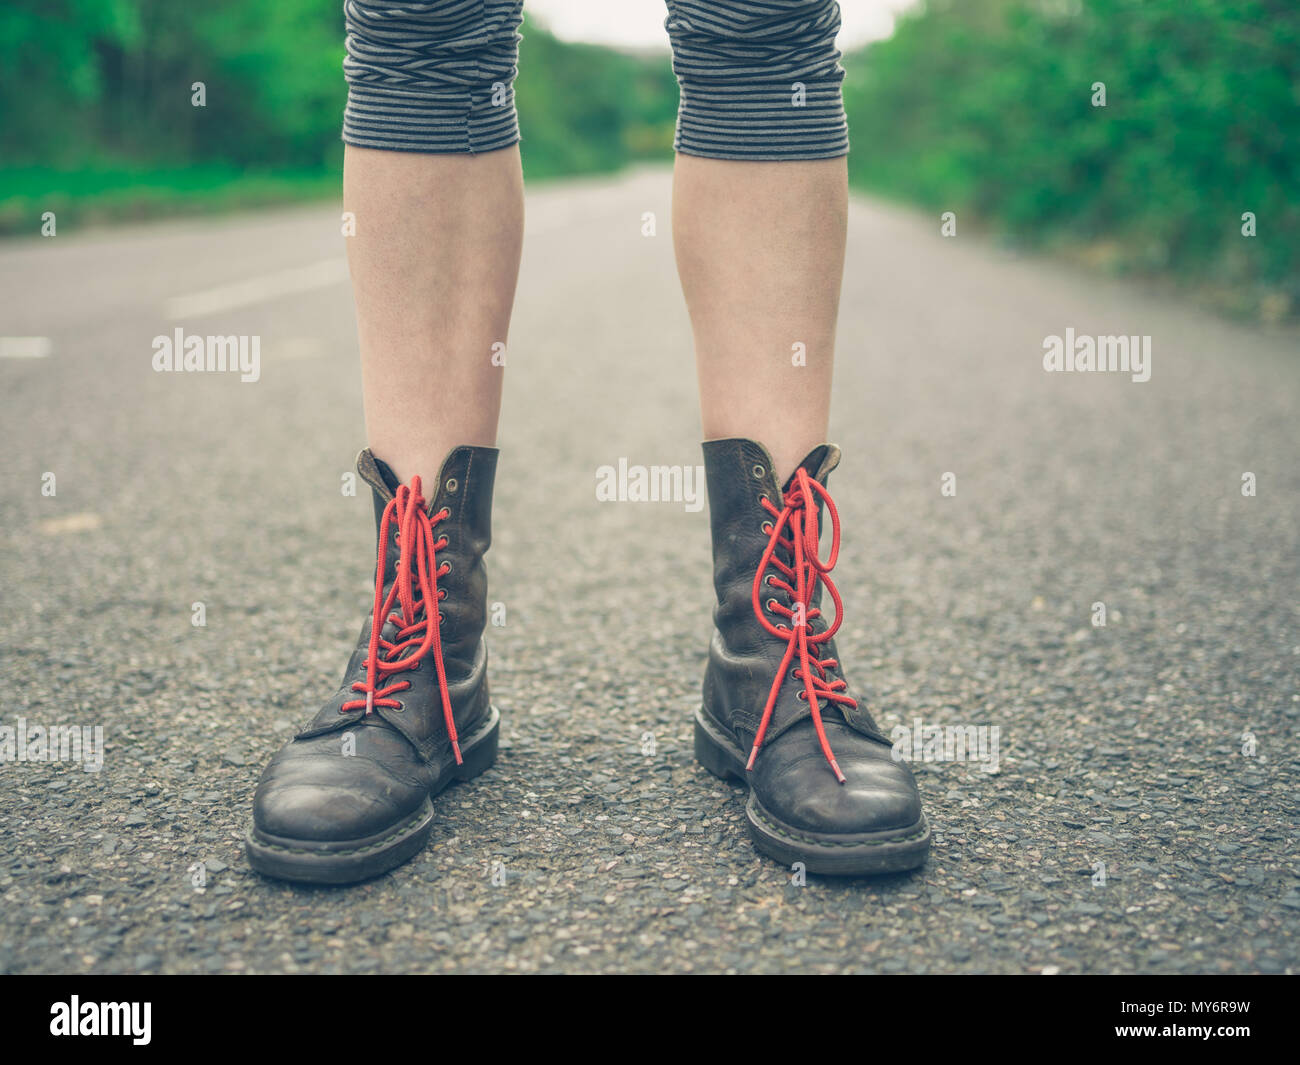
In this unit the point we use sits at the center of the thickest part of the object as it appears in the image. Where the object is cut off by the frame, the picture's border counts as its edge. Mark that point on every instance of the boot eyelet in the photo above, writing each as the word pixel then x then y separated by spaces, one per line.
pixel 767 527
pixel 444 513
pixel 762 499
pixel 770 604
pixel 794 674
pixel 448 565
pixel 802 696
pixel 452 485
pixel 441 619
pixel 399 708
pixel 759 471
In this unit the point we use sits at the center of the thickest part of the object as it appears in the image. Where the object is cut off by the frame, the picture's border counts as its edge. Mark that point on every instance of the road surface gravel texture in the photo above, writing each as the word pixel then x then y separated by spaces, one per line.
pixel 1142 815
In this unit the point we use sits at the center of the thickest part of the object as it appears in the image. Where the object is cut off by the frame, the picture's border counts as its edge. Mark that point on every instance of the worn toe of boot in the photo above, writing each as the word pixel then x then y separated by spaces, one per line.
pixel 871 823
pixel 315 790
pixel 799 812
pixel 321 815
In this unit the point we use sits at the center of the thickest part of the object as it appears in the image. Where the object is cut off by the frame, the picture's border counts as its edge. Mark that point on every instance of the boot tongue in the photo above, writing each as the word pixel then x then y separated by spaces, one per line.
pixel 380 476
pixel 377 473
pixel 818 462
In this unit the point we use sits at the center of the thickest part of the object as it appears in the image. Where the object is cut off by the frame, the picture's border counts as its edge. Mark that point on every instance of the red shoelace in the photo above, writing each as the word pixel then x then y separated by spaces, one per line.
pixel 799 516
pixel 418 620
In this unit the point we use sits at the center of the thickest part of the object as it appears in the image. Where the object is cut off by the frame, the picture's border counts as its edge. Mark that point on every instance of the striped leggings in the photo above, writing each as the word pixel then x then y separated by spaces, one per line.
pixel 759 79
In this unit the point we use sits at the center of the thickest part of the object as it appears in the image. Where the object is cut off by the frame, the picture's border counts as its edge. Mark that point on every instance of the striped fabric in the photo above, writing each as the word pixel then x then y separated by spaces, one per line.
pixel 431 77
pixel 759 79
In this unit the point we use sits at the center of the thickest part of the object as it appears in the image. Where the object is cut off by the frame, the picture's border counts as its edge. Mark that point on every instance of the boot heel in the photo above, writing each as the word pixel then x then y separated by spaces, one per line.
pixel 713 756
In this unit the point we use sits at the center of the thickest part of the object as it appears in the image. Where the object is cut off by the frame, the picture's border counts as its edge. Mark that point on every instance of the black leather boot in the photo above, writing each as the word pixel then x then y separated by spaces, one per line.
pixel 351 795
pixel 825 788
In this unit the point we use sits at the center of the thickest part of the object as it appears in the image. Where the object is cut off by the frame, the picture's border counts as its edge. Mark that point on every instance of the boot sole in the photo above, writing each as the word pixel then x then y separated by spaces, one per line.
pixel 316 862
pixel 894 851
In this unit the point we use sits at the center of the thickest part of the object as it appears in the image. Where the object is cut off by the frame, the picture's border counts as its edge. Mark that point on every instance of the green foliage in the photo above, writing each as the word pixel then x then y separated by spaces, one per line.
pixel 985 106
pixel 113 78
pixel 96 96
pixel 51 79
pixel 584 108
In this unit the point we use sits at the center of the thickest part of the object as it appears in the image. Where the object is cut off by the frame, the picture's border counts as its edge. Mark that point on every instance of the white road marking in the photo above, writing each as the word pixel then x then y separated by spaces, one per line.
pixel 259 289
pixel 84 521
pixel 24 347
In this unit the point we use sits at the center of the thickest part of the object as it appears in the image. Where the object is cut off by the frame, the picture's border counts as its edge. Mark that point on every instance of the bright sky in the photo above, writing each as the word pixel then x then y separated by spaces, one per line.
pixel 639 23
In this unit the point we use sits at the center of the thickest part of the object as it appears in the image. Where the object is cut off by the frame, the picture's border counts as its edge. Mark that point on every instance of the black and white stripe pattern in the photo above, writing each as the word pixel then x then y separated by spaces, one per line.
pixel 431 77
pixel 760 79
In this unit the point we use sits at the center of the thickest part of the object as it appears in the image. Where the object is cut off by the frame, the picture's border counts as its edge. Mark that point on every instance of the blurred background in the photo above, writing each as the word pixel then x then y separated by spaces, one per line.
pixel 983 107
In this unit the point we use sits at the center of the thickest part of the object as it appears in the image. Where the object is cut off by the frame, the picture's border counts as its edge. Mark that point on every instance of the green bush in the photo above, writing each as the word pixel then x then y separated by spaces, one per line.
pixel 96 117
pixel 986 106
pixel 584 108
pixel 87 80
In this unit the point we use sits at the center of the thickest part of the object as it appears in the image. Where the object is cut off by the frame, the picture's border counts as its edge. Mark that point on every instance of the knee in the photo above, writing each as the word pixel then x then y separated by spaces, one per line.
pixel 433 76
pixel 777 41
pixel 758 81
pixel 434 45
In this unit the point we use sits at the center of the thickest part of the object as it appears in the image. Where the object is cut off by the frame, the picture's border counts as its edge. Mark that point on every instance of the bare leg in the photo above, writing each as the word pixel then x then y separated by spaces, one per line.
pixel 760 253
pixel 434 263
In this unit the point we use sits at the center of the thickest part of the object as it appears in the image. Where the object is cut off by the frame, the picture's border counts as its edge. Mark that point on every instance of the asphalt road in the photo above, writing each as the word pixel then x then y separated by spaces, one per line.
pixel 1125 747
